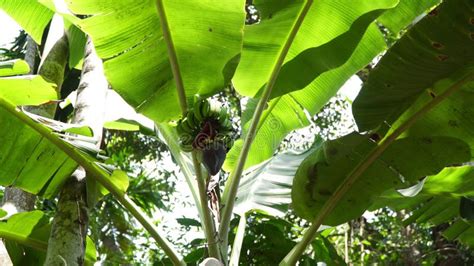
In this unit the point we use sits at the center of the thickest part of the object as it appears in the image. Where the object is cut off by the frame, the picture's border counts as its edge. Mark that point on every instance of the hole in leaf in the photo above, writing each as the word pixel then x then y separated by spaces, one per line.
pixel 427 140
pixel 437 45
pixel 253 15
pixel 442 57
pixel 433 12
pixel 432 94
pixel 375 137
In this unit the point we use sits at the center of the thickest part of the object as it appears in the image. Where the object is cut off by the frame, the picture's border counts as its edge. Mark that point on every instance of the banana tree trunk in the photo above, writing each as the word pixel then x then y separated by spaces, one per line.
pixel 66 245
pixel 53 62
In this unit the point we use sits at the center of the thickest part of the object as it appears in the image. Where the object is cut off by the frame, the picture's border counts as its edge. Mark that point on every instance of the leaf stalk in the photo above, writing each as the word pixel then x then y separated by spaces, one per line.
pixel 209 228
pixel 238 240
pixel 232 183
pixel 208 225
pixel 172 56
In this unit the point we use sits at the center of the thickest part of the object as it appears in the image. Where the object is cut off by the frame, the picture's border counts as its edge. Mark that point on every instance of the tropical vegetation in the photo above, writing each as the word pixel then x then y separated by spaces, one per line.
pixel 92 90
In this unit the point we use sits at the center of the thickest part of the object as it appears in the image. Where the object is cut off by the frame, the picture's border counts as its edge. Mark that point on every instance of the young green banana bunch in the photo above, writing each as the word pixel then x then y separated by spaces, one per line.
pixel 206 128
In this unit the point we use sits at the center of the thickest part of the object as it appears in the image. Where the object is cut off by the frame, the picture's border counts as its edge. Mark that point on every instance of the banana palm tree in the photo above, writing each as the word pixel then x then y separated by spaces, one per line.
pixel 287 62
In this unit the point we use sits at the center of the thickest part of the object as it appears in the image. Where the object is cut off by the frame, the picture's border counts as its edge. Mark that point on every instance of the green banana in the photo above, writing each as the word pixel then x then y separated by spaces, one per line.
pixel 202 111
pixel 223 116
pixel 205 108
pixel 197 109
pixel 192 122
pixel 179 128
pixel 227 125
pixel 187 147
pixel 186 128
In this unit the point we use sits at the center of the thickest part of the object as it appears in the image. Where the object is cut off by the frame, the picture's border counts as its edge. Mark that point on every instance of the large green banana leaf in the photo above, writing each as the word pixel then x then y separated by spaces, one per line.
pixel 405 13
pixel 330 32
pixel 13 67
pixel 29 14
pixel 26 159
pixel 77 41
pixel 452 182
pixel 34 17
pixel 438 201
pixel 27 90
pixel 435 211
pixel 402 164
pixel 438 47
pixel 316 67
pixel 462 231
pixel 275 28
pixel 452 117
pixel 301 70
pixel 457 229
pixel 27 234
pixel 24 90
pixel 287 113
pixel 437 118
pixel 207 36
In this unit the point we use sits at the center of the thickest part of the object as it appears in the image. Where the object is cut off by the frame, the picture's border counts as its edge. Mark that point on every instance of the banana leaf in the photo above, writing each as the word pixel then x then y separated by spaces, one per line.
pixel 418 101
pixel 207 37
